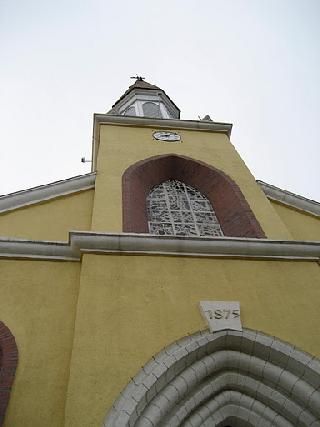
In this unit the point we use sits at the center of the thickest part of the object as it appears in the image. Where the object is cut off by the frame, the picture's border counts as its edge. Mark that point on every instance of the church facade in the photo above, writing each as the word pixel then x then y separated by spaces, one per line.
pixel 104 277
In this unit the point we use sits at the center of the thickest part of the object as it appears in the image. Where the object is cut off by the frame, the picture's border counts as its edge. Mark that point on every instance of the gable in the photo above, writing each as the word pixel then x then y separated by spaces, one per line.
pixel 50 219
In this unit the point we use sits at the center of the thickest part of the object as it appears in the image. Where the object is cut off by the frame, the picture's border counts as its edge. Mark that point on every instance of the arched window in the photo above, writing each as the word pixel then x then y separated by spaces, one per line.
pixel 231 208
pixel 131 111
pixel 175 208
pixel 150 109
pixel 8 364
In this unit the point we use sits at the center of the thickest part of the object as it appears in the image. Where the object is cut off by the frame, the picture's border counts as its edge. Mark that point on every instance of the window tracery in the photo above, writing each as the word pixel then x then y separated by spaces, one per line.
pixel 174 208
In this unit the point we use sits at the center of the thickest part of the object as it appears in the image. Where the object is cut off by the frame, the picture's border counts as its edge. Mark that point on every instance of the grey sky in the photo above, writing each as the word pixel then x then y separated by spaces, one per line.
pixel 255 63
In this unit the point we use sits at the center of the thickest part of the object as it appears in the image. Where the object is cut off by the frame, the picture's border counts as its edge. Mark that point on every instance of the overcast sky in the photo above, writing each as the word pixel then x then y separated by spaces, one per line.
pixel 254 63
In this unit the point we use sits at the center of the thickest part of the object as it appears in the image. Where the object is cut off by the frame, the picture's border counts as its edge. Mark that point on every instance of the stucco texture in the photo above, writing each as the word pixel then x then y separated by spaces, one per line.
pixel 132 306
pixel 37 303
pixel 122 146
pixel 302 226
pixel 49 220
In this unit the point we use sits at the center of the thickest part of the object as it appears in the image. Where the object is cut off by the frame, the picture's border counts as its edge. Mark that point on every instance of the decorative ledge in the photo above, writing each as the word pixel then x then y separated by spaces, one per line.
pixel 145 244
pixel 200 125
pixel 163 123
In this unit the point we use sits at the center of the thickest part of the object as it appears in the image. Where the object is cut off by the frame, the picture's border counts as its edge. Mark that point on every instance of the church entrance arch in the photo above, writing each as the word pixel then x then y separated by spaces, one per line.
pixel 227 378
pixel 231 208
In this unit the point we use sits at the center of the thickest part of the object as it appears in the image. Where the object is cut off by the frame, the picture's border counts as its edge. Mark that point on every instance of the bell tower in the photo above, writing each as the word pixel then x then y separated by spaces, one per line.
pixel 143 99
pixel 164 288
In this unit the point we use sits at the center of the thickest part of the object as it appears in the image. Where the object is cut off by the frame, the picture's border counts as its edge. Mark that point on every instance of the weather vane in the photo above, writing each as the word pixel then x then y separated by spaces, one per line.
pixel 138 78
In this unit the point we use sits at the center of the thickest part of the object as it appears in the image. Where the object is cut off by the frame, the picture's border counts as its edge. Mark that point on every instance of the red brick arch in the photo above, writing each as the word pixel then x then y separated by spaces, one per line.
pixel 232 210
pixel 8 364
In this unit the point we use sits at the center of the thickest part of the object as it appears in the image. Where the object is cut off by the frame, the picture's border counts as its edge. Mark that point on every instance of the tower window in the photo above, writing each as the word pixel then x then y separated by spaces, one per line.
pixel 150 109
pixel 175 208
pixel 131 111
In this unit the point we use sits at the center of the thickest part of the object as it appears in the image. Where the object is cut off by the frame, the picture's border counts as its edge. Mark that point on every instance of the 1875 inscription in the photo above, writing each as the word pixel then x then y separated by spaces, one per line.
pixel 221 315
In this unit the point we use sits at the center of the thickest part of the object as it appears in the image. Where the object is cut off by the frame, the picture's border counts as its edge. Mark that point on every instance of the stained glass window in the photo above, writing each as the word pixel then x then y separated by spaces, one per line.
pixel 175 208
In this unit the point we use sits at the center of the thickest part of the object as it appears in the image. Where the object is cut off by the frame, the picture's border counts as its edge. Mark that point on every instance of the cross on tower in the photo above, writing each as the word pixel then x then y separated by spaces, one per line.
pixel 138 78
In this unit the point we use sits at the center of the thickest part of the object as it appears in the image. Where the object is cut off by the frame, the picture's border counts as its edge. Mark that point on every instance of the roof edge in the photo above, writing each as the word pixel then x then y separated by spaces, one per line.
pixel 42 193
pixel 291 199
pixel 143 85
pixel 118 120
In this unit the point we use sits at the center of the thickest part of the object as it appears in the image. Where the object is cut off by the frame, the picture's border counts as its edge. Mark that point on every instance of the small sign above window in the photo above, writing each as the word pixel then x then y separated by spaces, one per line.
pixel 221 315
pixel 167 136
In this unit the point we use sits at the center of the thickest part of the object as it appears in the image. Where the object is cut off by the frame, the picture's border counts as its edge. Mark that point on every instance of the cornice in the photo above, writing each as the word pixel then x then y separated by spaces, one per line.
pixel 163 123
pixel 290 199
pixel 199 125
pixel 145 244
pixel 41 193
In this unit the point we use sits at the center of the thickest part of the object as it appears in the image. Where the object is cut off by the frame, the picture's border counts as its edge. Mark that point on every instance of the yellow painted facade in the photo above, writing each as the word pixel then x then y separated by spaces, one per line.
pixel 302 226
pixel 84 327
pixel 151 301
pixel 38 303
pixel 121 311
pixel 49 220
pixel 122 146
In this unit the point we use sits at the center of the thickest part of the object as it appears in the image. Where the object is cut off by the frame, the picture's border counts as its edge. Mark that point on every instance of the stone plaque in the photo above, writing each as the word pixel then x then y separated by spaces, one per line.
pixel 221 315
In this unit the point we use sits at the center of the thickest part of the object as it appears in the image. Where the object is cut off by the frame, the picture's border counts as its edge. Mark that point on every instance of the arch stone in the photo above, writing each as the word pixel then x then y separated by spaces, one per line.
pixel 233 212
pixel 8 364
pixel 210 379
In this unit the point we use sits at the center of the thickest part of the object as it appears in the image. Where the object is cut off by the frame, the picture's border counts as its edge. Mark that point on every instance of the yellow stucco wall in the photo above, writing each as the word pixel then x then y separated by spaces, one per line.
pixel 37 303
pixel 122 146
pixel 50 220
pixel 84 329
pixel 130 307
pixel 302 226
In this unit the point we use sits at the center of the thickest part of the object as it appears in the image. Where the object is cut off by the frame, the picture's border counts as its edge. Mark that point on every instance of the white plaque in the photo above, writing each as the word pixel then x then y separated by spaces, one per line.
pixel 221 315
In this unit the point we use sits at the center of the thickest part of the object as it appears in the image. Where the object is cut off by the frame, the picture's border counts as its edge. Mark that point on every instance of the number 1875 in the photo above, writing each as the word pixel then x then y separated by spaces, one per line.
pixel 223 314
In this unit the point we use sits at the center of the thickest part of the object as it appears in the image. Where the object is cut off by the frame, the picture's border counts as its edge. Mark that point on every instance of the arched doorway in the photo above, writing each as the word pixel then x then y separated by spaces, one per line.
pixel 228 378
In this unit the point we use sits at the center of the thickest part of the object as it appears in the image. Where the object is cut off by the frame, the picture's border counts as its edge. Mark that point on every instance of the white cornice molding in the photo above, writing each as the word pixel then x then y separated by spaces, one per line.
pixel 163 123
pixel 287 198
pixel 42 193
pixel 145 244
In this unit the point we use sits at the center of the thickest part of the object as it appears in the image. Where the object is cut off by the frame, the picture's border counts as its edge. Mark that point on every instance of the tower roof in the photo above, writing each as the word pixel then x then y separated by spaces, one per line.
pixel 142 84
pixel 138 84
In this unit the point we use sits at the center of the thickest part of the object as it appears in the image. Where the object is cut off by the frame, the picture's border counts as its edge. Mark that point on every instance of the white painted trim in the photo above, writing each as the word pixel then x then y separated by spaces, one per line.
pixel 139 94
pixel 144 244
pixel 163 123
pixel 290 199
pixel 35 195
pixel 247 369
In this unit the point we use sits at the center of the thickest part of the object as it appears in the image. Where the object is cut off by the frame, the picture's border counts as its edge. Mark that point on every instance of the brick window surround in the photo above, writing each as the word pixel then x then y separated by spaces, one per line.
pixel 8 364
pixel 231 208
